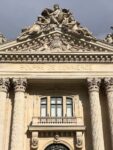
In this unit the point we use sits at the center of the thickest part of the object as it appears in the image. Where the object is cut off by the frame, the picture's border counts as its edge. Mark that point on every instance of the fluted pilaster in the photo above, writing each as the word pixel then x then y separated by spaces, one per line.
pixel 18 115
pixel 96 117
pixel 4 84
pixel 109 93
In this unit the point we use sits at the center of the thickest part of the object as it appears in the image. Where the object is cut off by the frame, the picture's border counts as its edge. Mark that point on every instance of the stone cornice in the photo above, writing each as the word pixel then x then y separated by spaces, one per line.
pixel 56 58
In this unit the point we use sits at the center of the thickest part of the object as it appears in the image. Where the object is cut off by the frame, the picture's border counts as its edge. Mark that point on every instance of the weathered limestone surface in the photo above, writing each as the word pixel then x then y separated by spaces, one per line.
pixel 4 83
pixel 64 71
pixel 96 119
pixel 17 142
pixel 109 92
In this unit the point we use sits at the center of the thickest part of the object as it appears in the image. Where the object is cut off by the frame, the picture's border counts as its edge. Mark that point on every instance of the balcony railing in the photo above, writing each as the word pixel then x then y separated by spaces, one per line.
pixel 57 124
pixel 56 120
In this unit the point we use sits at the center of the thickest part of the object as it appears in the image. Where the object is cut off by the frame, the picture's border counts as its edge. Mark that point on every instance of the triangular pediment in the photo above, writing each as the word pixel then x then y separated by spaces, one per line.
pixel 56 31
pixel 56 42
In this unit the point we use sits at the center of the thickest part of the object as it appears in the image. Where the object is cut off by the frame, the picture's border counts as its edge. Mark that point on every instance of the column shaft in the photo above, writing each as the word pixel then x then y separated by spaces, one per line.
pixel 109 92
pixel 96 117
pixel 17 139
pixel 3 94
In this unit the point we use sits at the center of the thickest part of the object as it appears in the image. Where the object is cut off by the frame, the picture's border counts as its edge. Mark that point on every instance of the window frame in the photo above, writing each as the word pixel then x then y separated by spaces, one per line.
pixel 43 105
pixel 56 106
pixel 71 104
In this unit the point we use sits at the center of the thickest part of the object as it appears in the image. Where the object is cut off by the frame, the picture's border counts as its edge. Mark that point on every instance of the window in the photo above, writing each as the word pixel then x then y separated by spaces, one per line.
pixel 69 107
pixel 56 107
pixel 43 107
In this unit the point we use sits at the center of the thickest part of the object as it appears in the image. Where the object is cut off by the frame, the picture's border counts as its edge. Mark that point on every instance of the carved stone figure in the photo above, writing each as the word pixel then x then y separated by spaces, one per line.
pixel 34 141
pixel 52 20
pixel 56 15
pixel 73 26
pixel 79 140
pixel 79 143
pixel 109 38
pixel 36 28
pixel 56 139
pixel 2 39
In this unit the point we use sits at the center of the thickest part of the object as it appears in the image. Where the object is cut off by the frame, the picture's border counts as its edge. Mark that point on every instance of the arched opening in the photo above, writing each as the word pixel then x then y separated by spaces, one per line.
pixel 57 147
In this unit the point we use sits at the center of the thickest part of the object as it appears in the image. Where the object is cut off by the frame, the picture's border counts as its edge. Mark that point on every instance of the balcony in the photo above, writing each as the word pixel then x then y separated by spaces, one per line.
pixel 56 123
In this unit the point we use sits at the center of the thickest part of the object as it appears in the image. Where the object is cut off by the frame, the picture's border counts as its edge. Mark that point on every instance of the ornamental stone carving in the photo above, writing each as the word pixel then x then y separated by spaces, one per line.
pixel 56 139
pixel 20 84
pixel 2 39
pixel 34 141
pixel 93 84
pixel 109 37
pixel 55 19
pixel 4 84
pixel 108 84
pixel 79 140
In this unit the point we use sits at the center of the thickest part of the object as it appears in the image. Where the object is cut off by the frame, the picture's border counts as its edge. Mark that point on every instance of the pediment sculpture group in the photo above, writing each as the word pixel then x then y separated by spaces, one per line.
pixel 55 19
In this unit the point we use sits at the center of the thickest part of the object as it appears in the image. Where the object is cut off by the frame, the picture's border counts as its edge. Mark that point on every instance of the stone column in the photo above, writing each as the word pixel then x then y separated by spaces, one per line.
pixel 109 93
pixel 4 84
pixel 17 139
pixel 96 117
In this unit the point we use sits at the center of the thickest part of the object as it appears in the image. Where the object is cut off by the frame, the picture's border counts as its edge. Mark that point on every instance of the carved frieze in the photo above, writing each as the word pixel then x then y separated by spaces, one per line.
pixel 55 58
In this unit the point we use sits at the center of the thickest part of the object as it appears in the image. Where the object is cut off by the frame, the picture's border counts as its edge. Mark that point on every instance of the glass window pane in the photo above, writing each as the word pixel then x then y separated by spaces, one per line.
pixel 53 100
pixel 59 100
pixel 43 101
pixel 69 101
pixel 53 111
pixel 43 110
pixel 69 110
pixel 59 110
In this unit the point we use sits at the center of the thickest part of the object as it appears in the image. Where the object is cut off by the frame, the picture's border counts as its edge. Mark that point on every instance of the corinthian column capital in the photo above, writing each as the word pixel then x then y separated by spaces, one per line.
pixel 4 84
pixel 93 84
pixel 108 84
pixel 20 84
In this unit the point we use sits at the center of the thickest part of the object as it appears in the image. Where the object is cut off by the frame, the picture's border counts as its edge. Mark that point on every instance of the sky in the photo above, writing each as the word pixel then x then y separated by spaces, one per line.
pixel 96 15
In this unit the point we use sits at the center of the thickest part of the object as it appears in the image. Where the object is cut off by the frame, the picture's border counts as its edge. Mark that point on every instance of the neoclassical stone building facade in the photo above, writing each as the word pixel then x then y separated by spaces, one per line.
pixel 56 87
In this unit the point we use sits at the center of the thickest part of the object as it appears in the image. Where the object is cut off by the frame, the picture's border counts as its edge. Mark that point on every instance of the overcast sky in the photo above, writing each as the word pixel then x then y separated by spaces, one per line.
pixel 96 15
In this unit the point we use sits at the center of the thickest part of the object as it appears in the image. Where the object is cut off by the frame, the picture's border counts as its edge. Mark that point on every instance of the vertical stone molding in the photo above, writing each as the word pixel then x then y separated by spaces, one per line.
pixel 4 85
pixel 109 92
pixel 17 142
pixel 96 117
